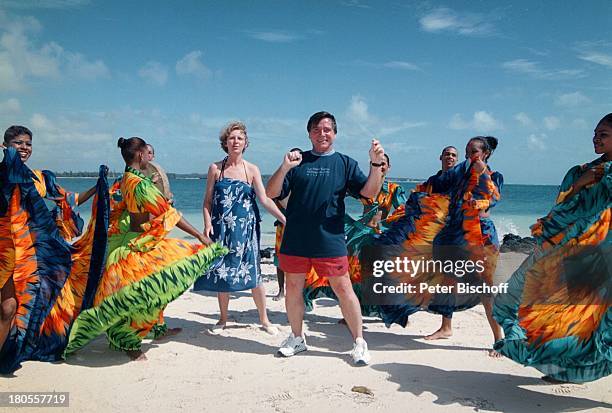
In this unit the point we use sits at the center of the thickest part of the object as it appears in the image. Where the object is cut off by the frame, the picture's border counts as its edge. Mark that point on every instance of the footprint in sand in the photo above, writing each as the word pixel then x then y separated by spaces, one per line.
pixel 567 388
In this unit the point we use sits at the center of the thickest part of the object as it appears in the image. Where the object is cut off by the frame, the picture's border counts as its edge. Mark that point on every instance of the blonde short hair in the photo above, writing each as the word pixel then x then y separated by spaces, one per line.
pixel 229 128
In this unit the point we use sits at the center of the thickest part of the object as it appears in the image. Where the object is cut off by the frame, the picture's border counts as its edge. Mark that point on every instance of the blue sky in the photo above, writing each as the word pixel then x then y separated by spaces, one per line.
pixel 418 75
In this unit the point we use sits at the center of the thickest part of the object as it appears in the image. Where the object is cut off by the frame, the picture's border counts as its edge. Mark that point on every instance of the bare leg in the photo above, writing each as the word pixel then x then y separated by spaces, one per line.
pixel 8 309
pixel 294 301
pixel 445 330
pixel 259 296
pixel 349 304
pixel 223 308
pixel 487 302
pixel 280 276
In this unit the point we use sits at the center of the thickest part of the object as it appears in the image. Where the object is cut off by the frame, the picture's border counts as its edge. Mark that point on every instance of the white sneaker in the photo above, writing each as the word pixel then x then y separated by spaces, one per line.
pixel 360 353
pixel 291 346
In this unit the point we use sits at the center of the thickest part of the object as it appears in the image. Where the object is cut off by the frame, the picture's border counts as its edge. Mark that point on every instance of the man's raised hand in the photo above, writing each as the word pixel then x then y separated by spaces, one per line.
pixel 292 159
pixel 377 153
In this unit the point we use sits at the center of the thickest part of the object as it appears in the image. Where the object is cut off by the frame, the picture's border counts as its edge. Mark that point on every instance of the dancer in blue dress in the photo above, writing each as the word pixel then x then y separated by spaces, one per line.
pixel 231 216
pixel 447 220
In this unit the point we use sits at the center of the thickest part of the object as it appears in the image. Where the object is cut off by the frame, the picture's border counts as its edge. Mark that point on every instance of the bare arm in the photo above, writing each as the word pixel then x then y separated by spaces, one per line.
pixel 375 177
pixel 84 196
pixel 275 184
pixel 262 197
pixel 207 202
pixel 588 177
pixel 189 229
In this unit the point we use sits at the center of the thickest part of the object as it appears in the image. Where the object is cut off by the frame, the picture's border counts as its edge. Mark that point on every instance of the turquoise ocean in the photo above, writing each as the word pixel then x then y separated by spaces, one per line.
pixel 518 209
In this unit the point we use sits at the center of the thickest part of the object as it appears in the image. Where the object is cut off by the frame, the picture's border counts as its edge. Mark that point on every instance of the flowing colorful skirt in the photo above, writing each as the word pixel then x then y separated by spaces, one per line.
pixel 556 314
pixel 136 287
pixel 53 280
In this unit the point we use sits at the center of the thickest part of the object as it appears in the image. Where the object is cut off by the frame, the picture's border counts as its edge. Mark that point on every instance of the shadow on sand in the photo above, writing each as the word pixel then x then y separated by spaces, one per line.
pixel 484 390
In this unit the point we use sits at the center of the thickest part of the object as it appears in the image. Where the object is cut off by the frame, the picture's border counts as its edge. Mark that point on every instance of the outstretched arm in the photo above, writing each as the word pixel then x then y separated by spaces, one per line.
pixel 184 225
pixel 84 196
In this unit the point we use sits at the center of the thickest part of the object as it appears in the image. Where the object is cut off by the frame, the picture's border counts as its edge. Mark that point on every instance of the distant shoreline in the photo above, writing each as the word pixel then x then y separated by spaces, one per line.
pixel 82 175
pixel 173 176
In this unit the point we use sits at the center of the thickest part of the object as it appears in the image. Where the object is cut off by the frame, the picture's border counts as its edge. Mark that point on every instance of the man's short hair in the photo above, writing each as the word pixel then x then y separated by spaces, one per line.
pixel 13 131
pixel 317 117
pixel 448 147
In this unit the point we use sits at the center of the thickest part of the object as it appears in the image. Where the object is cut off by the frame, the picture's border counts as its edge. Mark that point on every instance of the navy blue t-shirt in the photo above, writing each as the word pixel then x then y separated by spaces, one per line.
pixel 315 212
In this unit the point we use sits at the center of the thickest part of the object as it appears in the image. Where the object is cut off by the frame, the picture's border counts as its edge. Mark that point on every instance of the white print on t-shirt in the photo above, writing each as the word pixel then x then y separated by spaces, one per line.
pixel 314 171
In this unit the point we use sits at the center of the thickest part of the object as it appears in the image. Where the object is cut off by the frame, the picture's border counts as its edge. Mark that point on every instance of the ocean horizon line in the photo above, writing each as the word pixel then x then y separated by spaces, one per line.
pixel 265 177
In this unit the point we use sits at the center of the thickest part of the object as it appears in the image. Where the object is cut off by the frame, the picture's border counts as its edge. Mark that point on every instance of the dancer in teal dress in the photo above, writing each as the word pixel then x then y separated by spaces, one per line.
pixel 556 314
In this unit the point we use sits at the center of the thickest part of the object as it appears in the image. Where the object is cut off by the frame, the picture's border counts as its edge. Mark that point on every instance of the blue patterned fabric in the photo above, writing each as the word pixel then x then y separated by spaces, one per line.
pixel 235 222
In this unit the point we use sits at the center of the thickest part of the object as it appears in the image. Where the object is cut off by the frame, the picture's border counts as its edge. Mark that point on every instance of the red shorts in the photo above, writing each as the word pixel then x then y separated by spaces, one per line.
pixel 325 267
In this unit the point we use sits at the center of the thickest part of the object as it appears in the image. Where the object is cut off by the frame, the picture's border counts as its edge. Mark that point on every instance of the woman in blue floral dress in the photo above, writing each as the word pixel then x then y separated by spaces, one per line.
pixel 231 217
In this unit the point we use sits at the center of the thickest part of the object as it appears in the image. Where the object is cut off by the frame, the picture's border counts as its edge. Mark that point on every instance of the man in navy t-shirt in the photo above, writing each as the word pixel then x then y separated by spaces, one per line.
pixel 318 181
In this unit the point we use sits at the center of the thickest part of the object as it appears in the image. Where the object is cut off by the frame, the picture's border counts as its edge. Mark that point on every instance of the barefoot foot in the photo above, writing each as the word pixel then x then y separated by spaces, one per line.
pixel 170 332
pixel 217 328
pixel 494 354
pixel 279 296
pixel 439 335
pixel 270 329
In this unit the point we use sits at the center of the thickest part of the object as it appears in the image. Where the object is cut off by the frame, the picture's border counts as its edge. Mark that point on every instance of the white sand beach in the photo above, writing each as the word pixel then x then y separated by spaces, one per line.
pixel 237 370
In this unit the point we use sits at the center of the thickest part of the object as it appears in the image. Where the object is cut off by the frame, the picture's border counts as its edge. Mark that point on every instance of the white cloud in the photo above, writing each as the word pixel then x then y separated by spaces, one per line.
pixel 79 66
pixel 523 119
pixel 58 139
pixel 597 57
pixel 396 64
pixel 445 19
pixel 355 3
pixel 552 122
pixel 10 106
pixel 154 72
pixel 274 36
pixel 393 64
pixel 481 122
pixel 21 59
pixel 359 122
pixel 536 142
pixel 358 110
pixel 191 64
pixel 534 69
pixel 571 99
